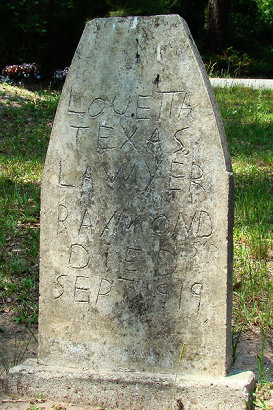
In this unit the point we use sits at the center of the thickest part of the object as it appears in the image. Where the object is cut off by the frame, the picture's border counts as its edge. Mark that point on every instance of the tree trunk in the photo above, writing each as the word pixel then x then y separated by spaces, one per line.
pixel 217 23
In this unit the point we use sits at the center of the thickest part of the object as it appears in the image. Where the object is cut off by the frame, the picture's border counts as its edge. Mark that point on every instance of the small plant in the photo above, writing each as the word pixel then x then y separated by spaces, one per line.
pixel 14 356
pixel 235 341
pixel 262 369
pixel 35 407
pixel 230 63
pixel 18 72
pixel 60 75
pixel 261 395
pixel 179 400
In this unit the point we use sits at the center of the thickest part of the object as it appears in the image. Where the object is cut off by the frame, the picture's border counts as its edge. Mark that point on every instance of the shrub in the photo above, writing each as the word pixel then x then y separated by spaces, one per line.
pixel 18 72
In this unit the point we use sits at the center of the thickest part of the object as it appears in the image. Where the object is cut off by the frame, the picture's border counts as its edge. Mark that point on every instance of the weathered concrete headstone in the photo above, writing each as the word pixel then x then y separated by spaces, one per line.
pixel 136 225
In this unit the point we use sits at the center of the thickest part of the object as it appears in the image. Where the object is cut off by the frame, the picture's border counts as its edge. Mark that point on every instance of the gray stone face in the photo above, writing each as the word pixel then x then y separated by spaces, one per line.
pixel 136 212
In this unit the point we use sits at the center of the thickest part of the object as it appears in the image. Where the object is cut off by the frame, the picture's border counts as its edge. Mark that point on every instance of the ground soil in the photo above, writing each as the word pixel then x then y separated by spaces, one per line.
pixel 14 338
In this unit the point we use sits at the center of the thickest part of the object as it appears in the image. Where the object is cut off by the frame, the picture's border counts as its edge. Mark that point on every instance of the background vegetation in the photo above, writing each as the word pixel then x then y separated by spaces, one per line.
pixel 234 36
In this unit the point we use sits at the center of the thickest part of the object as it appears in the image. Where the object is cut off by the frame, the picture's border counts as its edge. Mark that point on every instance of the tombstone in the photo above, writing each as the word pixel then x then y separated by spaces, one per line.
pixel 136 229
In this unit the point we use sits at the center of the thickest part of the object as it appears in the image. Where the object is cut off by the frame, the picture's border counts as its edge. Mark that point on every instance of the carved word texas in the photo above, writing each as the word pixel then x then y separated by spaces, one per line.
pixel 183 174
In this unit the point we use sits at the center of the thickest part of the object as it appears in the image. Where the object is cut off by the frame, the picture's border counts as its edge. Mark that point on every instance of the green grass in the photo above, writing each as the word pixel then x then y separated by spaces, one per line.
pixel 248 120
pixel 11 356
pixel 26 120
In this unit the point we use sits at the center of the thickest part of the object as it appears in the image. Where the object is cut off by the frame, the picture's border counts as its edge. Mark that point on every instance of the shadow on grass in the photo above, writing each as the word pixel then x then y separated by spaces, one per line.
pixel 249 140
pixel 247 117
pixel 19 248
pixel 25 126
pixel 19 227
pixel 255 191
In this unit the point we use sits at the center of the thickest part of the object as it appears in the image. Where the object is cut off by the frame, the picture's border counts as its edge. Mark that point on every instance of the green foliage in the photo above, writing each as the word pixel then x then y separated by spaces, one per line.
pixel 235 342
pixel 47 31
pixel 264 386
pixel 265 8
pixel 250 31
pixel 230 63
pixel 44 31
pixel 139 7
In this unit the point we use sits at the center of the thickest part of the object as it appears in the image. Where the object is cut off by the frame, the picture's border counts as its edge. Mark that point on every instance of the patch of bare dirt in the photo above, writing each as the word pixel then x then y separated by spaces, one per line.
pixel 249 348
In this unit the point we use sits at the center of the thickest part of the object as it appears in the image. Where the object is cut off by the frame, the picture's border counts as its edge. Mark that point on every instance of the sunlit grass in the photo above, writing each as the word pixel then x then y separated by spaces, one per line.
pixel 248 120
pixel 26 120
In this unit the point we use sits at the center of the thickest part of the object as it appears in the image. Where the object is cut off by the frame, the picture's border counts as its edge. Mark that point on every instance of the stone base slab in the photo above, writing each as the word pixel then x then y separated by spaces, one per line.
pixel 132 390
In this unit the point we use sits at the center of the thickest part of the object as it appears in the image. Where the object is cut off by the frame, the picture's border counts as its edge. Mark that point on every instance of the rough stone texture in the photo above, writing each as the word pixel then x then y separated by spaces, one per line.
pixel 133 390
pixel 136 217
pixel 135 244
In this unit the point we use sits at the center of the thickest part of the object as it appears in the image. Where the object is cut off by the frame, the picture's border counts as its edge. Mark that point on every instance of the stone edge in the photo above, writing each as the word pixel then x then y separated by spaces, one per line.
pixel 135 390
